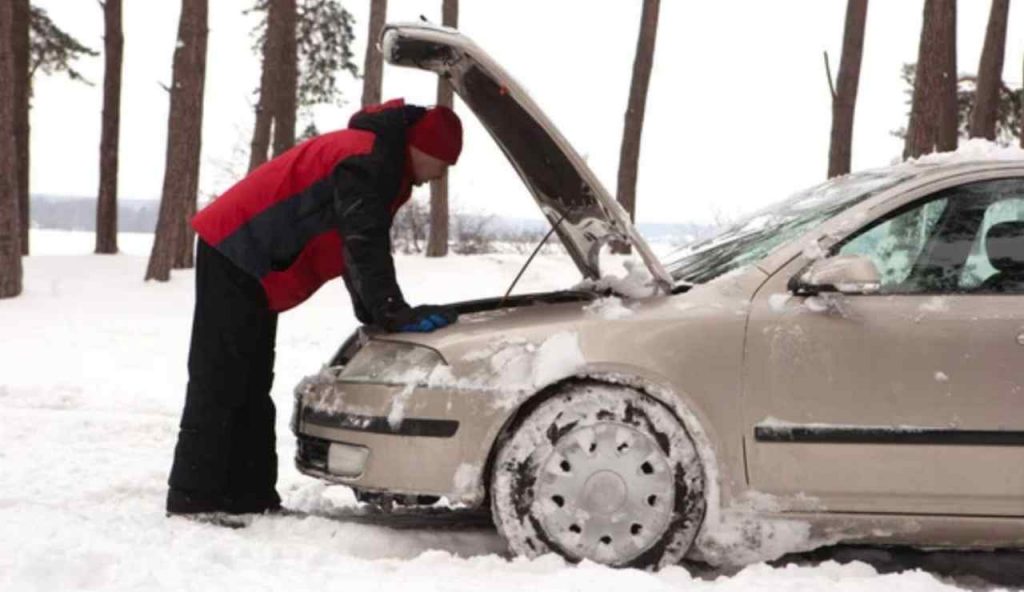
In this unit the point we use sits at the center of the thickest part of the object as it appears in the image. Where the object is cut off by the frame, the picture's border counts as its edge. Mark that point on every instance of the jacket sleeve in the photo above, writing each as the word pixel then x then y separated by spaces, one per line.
pixel 358 307
pixel 361 203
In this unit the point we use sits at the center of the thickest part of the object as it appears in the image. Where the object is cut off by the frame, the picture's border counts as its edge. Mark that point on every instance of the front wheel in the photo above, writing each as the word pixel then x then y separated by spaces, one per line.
pixel 599 472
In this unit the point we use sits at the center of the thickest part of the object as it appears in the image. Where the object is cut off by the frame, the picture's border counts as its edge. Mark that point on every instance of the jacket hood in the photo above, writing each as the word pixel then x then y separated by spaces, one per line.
pixel 389 119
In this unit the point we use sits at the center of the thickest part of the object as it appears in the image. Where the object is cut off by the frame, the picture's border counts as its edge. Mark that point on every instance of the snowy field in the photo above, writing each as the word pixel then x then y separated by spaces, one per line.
pixel 92 378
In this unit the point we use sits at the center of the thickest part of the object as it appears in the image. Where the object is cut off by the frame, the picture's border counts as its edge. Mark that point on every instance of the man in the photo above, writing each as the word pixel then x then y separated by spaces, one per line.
pixel 320 210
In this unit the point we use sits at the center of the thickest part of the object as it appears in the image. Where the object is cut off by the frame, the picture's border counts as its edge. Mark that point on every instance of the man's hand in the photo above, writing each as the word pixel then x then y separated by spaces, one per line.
pixel 421 319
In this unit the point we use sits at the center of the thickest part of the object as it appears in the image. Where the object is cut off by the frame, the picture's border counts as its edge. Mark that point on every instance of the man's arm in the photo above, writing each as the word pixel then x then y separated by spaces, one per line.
pixel 364 221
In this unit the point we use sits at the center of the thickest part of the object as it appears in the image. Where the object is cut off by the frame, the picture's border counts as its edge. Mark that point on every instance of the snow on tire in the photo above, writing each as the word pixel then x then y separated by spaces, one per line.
pixel 599 472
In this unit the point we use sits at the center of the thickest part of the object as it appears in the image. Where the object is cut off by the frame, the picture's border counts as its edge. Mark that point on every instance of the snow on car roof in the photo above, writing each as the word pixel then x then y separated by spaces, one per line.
pixel 972 152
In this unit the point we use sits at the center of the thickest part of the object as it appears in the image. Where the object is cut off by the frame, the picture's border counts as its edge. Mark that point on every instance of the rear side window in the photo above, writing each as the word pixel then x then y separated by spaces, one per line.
pixel 944 243
pixel 979 266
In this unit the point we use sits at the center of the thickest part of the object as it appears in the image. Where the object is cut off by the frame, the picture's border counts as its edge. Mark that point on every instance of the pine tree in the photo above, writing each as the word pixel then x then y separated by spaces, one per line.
pixel 629 154
pixel 373 68
pixel 10 236
pixel 1008 106
pixel 437 244
pixel 299 69
pixel 21 46
pixel 106 202
pixel 844 98
pixel 277 82
pixel 990 73
pixel 933 114
pixel 184 140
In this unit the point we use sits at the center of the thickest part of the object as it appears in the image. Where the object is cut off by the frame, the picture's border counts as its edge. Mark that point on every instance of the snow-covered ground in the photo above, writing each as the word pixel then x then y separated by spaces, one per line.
pixel 92 377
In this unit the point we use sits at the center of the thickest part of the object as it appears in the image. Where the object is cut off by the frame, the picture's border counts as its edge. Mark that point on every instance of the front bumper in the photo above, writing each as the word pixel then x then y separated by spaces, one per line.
pixel 440 447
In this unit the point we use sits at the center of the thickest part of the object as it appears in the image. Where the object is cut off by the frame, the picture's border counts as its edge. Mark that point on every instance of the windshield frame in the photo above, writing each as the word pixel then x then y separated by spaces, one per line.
pixel 759 234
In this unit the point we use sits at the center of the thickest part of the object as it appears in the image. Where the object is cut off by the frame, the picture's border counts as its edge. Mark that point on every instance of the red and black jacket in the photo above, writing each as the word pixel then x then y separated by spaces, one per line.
pixel 322 209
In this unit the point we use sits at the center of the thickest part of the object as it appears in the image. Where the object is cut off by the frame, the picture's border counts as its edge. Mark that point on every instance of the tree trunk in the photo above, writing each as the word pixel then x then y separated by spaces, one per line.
pixel 845 99
pixel 437 242
pixel 629 154
pixel 184 141
pixel 264 118
pixel 933 113
pixel 10 222
pixel 184 257
pixel 22 94
pixel 990 73
pixel 949 121
pixel 269 85
pixel 106 203
pixel 287 78
pixel 373 68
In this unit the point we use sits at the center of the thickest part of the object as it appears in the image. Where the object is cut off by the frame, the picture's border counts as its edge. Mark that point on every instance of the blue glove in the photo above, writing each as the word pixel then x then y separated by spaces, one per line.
pixel 422 319
pixel 426 325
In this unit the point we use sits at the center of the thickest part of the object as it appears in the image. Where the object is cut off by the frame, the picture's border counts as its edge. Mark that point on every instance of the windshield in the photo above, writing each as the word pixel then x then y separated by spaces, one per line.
pixel 753 237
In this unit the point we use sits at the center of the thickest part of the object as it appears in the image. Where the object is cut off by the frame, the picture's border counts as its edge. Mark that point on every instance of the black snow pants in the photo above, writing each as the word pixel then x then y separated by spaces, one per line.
pixel 225 459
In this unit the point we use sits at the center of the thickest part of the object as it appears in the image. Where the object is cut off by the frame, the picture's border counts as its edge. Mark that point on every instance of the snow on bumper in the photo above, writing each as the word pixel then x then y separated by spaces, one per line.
pixel 441 437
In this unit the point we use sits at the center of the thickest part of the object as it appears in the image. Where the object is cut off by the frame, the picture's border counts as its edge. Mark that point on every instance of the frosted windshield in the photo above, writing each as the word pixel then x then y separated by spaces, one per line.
pixel 756 235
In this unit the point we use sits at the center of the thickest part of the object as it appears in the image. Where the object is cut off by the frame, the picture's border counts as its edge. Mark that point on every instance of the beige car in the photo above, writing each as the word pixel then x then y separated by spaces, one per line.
pixel 846 365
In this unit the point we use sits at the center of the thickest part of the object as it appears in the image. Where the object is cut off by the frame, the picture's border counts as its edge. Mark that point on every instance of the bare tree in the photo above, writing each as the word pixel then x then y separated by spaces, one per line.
pixel 629 155
pixel 410 226
pixel 990 73
pixel 373 68
pixel 10 222
pixel 844 98
pixel 437 246
pixel 473 235
pixel 933 112
pixel 106 203
pixel 22 91
pixel 184 141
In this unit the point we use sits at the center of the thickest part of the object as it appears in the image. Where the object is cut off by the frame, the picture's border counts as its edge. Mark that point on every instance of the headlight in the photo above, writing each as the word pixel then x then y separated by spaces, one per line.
pixel 391 362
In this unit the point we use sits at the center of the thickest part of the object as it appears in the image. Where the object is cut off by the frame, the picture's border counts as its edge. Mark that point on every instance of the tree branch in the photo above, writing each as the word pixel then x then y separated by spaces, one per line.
pixel 828 74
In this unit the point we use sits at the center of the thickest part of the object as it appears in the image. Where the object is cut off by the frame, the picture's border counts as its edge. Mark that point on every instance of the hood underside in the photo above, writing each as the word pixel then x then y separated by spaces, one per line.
pixel 569 195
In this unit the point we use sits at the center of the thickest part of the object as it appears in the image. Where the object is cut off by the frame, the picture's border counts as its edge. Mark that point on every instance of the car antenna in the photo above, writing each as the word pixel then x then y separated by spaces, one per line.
pixel 529 260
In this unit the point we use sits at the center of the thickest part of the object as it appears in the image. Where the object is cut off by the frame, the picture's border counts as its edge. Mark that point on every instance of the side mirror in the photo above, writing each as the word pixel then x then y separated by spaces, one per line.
pixel 846 274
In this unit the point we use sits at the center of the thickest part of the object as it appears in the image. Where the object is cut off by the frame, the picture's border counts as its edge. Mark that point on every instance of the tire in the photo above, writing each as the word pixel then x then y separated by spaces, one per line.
pixel 599 472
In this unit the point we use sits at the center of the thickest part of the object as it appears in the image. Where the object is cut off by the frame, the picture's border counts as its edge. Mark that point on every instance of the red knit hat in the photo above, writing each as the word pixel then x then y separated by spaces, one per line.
pixel 438 133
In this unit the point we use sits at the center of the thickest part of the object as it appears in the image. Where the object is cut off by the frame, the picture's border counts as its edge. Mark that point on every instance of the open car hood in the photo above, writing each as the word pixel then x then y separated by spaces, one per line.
pixel 569 195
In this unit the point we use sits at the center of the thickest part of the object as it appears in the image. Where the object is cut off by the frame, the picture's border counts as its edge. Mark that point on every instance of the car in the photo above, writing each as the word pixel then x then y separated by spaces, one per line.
pixel 846 365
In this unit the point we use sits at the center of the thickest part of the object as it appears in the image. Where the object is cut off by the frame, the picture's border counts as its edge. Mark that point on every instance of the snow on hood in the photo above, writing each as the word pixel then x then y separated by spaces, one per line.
pixel 515 368
pixel 637 283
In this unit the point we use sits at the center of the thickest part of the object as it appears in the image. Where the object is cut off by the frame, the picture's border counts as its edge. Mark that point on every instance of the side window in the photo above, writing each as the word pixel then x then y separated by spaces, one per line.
pixel 896 244
pixel 979 266
pixel 966 239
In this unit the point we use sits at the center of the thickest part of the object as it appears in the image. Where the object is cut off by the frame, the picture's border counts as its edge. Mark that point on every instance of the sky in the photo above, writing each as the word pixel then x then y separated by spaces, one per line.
pixel 738 114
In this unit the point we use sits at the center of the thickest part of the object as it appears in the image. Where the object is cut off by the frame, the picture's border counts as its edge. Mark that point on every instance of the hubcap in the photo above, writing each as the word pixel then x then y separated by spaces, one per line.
pixel 606 492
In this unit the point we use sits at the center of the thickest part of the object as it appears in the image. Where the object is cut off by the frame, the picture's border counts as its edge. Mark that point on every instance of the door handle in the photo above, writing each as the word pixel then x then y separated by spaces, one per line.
pixel 1020 339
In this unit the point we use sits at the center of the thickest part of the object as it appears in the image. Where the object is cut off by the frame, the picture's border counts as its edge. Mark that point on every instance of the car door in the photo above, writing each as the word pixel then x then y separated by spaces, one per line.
pixel 910 399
